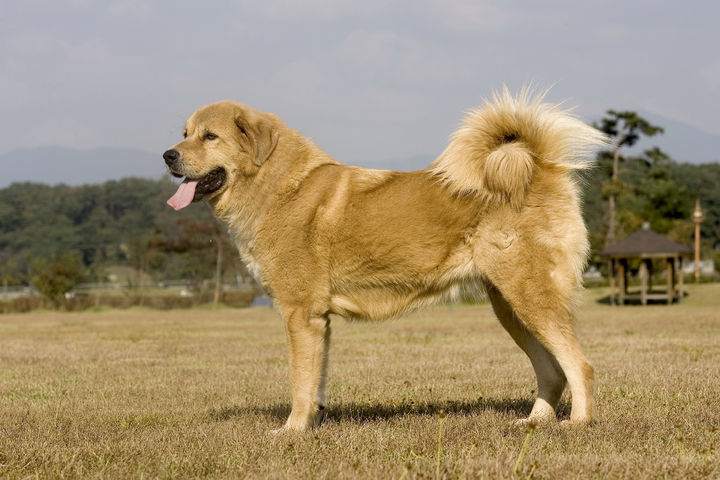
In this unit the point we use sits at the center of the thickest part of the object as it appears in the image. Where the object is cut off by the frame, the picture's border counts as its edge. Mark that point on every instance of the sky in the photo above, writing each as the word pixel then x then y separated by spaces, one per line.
pixel 368 80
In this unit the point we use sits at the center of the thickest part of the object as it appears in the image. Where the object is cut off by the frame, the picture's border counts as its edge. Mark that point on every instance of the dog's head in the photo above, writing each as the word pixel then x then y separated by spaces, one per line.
pixel 224 142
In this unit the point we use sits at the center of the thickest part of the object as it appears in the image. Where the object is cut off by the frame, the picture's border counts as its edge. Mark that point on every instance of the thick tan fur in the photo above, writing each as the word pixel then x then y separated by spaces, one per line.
pixel 497 211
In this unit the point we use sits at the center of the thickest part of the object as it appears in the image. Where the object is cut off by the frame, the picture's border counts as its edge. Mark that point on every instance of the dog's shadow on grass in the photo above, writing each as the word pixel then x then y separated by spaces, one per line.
pixel 368 412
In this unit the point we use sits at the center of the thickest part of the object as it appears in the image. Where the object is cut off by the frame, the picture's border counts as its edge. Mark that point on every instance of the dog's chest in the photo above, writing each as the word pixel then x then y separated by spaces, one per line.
pixel 248 257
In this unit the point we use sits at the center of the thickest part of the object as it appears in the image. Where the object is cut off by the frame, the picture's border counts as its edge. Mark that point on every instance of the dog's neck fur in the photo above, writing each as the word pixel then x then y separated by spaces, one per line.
pixel 292 161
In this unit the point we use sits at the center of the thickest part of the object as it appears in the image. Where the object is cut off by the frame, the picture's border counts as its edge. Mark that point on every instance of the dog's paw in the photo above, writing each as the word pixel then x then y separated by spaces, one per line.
pixel 285 431
pixel 575 423
pixel 526 423
pixel 302 423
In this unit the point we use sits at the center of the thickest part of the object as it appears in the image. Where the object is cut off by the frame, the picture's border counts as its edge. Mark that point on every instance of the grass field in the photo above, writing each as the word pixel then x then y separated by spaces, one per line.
pixel 195 393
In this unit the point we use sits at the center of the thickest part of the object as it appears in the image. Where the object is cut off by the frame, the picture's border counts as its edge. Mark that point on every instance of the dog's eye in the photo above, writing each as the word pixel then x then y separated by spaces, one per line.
pixel 209 136
pixel 184 133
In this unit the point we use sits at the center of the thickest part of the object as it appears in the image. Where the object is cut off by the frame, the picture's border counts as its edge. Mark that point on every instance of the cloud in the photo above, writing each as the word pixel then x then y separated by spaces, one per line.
pixel 13 92
pixel 399 58
pixel 614 33
pixel 299 84
pixel 711 75
pixel 138 9
pixel 372 48
pixel 355 122
pixel 368 79
pixel 65 130
pixel 481 15
pixel 92 53
pixel 473 15
pixel 42 58
pixel 307 10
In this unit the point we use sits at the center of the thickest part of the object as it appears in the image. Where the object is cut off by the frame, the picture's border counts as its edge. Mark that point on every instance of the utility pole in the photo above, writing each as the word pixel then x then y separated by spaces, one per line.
pixel 698 217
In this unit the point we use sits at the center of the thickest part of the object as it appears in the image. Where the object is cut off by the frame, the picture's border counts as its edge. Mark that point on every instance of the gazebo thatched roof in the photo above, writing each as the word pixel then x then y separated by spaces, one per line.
pixel 643 243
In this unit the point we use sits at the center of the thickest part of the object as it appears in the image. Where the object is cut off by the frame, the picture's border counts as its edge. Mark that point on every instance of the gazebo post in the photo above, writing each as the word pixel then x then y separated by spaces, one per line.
pixel 643 281
pixel 622 281
pixel 670 278
pixel 681 290
pixel 611 276
pixel 649 273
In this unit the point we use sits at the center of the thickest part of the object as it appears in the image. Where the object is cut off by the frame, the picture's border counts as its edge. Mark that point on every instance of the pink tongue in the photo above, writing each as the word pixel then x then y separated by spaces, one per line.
pixel 184 195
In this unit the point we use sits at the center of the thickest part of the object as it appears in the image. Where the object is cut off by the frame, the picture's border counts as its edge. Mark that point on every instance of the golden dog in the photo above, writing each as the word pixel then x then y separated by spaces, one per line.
pixel 497 211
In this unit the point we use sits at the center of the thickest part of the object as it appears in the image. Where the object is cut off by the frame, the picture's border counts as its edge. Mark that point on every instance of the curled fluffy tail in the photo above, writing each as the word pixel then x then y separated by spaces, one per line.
pixel 499 147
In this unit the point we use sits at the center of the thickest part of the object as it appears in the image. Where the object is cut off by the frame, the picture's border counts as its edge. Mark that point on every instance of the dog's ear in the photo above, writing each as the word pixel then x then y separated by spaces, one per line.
pixel 262 136
pixel 266 139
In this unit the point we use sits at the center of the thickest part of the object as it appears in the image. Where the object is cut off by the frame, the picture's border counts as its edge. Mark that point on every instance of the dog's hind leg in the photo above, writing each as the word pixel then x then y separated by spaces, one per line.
pixel 308 341
pixel 543 313
pixel 550 377
pixel 561 341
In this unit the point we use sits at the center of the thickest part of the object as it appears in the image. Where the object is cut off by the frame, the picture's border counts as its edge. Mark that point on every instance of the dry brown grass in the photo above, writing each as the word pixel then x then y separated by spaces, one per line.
pixel 195 393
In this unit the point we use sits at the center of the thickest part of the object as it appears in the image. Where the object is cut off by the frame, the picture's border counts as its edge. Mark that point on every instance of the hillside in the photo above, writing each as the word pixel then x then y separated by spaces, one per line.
pixel 124 222
pixel 70 166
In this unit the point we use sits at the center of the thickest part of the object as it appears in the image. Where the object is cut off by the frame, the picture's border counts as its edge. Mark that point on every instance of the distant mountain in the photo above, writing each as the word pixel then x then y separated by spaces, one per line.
pixel 55 165
pixel 405 164
pixel 684 143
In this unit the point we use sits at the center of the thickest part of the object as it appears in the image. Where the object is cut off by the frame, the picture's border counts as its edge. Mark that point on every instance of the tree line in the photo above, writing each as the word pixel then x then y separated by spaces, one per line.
pixel 79 232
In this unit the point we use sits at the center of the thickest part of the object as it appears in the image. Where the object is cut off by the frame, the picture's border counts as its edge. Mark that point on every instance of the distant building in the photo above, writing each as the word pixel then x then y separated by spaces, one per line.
pixel 707 268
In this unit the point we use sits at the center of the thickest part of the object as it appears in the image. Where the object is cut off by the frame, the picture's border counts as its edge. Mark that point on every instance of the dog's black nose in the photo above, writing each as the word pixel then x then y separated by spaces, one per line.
pixel 171 157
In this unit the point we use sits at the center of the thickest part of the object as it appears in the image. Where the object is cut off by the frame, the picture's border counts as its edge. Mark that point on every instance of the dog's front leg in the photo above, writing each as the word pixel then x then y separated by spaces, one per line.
pixel 308 340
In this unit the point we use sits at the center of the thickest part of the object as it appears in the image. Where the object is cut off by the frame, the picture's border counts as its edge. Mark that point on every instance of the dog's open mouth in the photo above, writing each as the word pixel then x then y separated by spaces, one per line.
pixel 193 190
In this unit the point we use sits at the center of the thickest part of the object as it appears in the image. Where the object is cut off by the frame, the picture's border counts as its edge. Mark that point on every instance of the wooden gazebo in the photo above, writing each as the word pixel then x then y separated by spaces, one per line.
pixel 646 246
